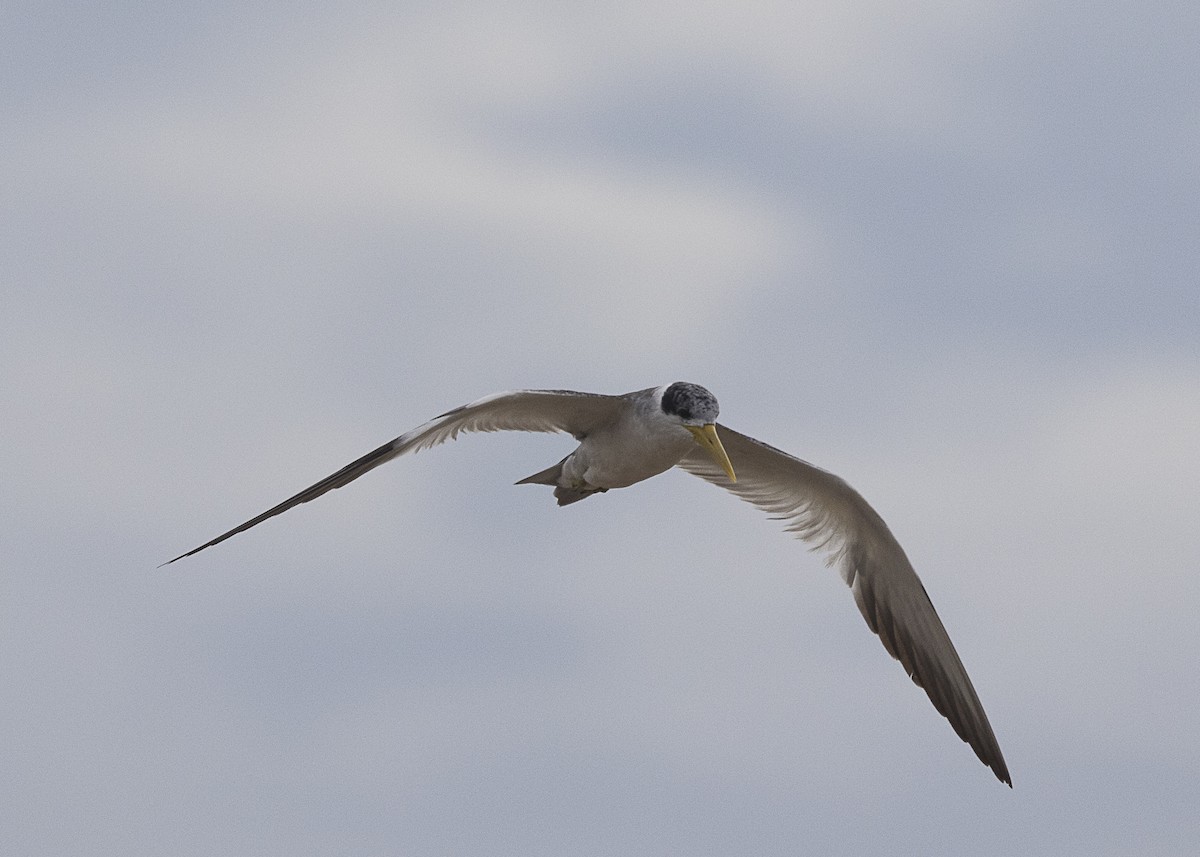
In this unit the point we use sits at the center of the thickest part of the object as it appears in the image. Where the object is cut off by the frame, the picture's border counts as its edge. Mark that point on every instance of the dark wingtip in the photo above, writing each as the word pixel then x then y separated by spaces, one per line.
pixel 998 767
pixel 196 550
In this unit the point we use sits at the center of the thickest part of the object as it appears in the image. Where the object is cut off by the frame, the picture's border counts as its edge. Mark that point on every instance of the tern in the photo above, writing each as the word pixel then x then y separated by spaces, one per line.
pixel 626 439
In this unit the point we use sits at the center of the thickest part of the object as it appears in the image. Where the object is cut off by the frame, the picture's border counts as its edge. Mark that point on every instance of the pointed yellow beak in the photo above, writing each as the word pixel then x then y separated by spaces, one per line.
pixel 706 436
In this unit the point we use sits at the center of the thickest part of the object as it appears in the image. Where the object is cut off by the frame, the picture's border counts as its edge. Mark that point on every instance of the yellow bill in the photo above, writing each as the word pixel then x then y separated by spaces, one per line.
pixel 706 436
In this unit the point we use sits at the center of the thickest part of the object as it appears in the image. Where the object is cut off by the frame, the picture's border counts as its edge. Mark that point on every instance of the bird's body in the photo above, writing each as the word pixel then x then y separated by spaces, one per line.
pixel 629 438
pixel 637 441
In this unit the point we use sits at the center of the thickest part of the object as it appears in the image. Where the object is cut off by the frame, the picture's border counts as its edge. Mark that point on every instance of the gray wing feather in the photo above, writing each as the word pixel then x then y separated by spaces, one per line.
pixel 522 410
pixel 831 516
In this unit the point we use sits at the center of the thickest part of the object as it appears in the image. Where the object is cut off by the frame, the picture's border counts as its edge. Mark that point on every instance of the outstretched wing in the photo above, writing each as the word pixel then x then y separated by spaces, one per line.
pixel 830 515
pixel 522 410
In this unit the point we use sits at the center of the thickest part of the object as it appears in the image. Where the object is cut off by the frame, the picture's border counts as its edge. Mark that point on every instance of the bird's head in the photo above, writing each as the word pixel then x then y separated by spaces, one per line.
pixel 696 410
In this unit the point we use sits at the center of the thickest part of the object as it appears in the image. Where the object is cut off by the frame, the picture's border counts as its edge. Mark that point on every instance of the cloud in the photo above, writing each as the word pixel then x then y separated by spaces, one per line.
pixel 248 245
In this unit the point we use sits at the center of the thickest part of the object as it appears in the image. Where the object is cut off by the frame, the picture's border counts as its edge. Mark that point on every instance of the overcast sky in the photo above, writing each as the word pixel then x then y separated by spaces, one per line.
pixel 948 250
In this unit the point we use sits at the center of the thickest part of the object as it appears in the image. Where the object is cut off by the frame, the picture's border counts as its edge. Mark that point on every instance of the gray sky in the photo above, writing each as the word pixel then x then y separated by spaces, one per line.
pixel 946 250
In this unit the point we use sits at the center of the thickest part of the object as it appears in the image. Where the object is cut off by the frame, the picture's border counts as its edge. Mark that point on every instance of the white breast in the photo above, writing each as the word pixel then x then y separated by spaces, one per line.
pixel 643 445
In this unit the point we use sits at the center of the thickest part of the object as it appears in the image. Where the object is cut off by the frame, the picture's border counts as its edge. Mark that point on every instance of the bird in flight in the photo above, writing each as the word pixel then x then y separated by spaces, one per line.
pixel 625 439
